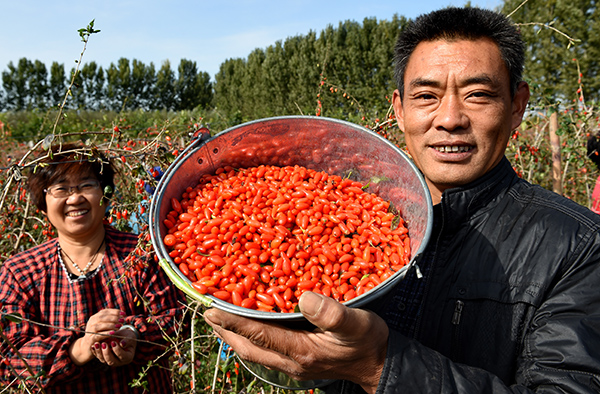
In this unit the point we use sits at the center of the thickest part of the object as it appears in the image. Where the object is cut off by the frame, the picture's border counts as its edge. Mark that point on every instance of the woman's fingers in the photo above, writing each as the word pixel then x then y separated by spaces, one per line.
pixel 103 323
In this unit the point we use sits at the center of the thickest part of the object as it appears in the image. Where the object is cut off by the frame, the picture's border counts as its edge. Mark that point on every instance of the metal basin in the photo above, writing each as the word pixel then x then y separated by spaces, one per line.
pixel 323 144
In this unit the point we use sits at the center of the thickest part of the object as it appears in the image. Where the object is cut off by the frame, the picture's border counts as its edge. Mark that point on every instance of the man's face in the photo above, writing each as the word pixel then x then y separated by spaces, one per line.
pixel 457 112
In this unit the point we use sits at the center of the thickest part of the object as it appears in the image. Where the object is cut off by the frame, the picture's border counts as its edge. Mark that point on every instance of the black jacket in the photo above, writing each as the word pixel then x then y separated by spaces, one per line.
pixel 512 304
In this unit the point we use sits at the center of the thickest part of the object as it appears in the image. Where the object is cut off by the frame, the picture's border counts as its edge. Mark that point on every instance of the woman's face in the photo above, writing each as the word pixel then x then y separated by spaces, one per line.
pixel 79 214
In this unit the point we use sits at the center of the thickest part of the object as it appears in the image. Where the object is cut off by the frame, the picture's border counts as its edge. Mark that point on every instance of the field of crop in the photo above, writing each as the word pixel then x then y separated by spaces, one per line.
pixel 142 147
pixel 549 149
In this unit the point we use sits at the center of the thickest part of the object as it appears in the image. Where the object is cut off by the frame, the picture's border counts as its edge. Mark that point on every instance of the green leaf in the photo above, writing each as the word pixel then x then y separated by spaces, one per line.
pixel 377 179
pixel 14 317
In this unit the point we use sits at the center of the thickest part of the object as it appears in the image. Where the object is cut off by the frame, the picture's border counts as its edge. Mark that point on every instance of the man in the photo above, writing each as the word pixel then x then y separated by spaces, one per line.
pixel 509 299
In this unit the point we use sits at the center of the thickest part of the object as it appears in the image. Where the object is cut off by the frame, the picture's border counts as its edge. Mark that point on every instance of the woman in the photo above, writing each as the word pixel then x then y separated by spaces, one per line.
pixel 593 147
pixel 93 337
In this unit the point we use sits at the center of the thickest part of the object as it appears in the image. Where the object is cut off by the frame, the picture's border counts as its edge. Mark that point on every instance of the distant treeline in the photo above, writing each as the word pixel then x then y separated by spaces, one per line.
pixel 353 60
pixel 125 86
pixel 344 71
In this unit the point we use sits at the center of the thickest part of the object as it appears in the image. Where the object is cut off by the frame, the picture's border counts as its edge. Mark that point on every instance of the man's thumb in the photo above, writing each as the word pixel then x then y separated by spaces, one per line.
pixel 324 312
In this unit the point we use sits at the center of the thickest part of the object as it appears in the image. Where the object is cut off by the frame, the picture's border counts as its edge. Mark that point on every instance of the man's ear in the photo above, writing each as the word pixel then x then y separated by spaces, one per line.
pixel 398 109
pixel 519 104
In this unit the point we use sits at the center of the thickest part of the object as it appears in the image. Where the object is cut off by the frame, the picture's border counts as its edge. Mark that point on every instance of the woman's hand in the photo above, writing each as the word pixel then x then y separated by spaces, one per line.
pixel 97 329
pixel 347 344
pixel 117 350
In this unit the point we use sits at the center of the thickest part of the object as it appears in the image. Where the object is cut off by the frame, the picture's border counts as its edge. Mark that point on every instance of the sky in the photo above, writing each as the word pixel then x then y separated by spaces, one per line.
pixel 152 31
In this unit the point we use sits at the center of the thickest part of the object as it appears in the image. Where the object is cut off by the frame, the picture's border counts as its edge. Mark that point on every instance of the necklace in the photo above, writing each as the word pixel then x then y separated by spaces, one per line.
pixel 83 271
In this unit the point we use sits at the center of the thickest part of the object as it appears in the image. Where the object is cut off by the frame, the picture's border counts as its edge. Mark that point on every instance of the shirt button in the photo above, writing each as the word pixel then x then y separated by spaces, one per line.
pixel 462 291
pixel 401 306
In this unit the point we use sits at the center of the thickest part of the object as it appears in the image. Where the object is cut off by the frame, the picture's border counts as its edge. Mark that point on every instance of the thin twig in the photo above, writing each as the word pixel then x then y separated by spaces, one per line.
pixel 77 330
pixel 16 351
pixel 515 10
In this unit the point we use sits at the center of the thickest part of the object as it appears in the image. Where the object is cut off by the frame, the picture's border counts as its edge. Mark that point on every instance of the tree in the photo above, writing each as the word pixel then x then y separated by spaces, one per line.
pixel 254 89
pixel 347 70
pixel 165 88
pixel 192 88
pixel 205 89
pixel 304 58
pixel 118 87
pixel 228 87
pixel 78 98
pixel 15 82
pixel 549 29
pixel 57 85
pixel 38 85
pixel 143 83
pixel 92 84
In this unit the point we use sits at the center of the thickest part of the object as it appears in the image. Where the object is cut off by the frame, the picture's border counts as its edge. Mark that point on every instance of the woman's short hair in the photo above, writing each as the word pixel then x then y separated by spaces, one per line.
pixel 64 161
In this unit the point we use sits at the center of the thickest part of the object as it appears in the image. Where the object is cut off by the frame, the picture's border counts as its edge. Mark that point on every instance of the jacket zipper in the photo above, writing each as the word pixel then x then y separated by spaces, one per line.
pixel 458 307
pixel 431 273
pixel 456 346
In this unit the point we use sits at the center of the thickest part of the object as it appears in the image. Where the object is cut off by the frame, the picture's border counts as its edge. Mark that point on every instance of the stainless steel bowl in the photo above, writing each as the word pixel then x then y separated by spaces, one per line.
pixel 323 144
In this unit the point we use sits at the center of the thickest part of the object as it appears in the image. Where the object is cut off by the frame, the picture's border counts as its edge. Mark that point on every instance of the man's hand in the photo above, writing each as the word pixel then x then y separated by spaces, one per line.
pixel 347 344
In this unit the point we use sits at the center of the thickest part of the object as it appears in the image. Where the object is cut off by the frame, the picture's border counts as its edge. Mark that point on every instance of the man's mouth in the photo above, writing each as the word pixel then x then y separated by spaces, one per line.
pixel 453 148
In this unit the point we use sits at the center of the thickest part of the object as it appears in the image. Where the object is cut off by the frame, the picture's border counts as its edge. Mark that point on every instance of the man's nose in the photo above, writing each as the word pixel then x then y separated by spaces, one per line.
pixel 451 114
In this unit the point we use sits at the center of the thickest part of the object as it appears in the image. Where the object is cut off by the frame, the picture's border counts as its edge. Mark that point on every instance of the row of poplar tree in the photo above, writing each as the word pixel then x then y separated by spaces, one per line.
pixel 299 74
pixel 123 86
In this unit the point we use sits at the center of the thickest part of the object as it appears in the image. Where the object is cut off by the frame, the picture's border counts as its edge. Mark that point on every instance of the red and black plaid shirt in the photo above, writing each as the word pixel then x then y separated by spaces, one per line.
pixel 35 285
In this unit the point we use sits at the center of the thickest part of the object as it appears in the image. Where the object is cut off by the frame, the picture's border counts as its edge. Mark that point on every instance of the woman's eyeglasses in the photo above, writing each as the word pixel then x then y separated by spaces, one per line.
pixel 62 191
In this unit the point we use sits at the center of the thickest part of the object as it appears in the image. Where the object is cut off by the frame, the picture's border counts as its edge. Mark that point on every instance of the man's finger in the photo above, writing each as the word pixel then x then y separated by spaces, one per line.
pixel 253 348
pixel 258 332
pixel 324 312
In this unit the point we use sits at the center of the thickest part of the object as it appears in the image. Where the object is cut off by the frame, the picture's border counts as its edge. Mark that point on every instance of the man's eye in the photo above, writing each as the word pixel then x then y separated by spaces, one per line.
pixel 60 189
pixel 425 96
pixel 480 94
pixel 87 186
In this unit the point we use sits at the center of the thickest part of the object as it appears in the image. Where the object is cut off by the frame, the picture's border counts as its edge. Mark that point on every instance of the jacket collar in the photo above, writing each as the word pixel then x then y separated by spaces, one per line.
pixel 463 202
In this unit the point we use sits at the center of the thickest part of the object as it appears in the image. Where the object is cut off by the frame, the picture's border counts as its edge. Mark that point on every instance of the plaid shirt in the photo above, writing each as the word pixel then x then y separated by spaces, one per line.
pixel 35 285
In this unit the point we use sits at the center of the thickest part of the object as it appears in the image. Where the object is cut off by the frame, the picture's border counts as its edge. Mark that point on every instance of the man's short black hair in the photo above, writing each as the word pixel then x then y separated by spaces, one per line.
pixel 468 23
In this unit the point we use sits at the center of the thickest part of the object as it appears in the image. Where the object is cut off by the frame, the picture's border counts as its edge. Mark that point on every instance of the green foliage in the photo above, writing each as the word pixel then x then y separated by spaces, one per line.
pixel 87 31
pixel 290 77
pixel 559 36
pixel 127 85
pixel 57 85
pixel 192 88
pixel 165 87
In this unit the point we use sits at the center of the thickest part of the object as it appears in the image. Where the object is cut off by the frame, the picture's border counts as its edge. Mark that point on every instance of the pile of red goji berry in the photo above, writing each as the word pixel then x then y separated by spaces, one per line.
pixel 259 237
